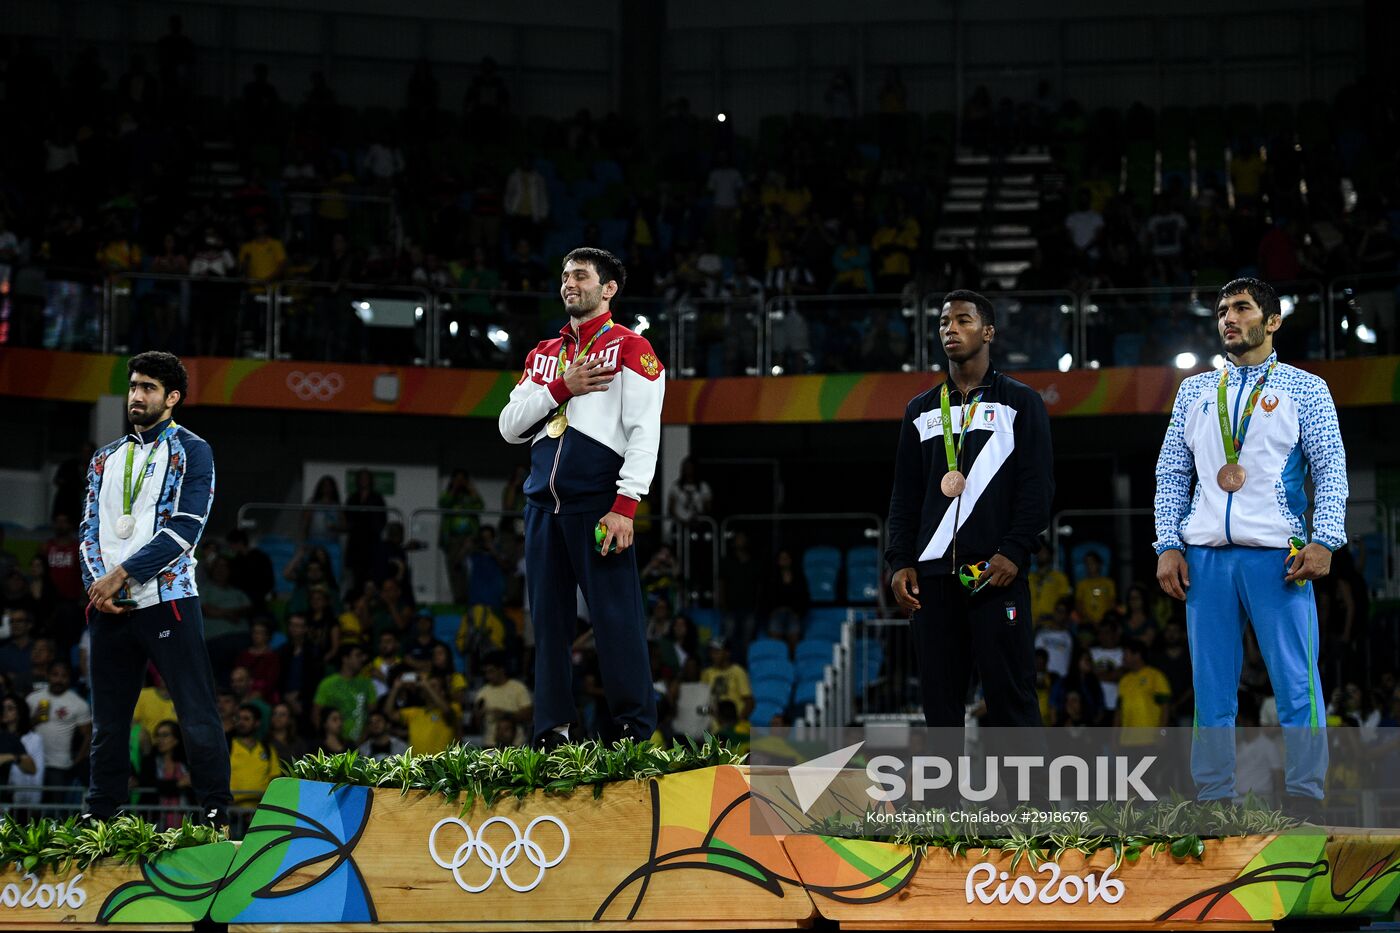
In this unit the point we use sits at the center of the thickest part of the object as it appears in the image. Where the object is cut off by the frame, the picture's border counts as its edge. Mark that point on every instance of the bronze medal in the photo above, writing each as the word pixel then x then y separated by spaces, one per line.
pixel 556 425
pixel 953 483
pixel 1231 477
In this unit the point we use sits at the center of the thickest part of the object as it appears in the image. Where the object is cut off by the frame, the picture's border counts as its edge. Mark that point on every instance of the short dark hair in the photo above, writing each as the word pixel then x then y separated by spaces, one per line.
pixel 984 305
pixel 252 708
pixel 1262 292
pixel 163 366
pixel 1137 646
pixel 608 266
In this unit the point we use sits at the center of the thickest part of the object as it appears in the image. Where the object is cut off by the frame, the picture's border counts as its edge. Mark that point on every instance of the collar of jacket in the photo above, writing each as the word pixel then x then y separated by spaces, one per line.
pixel 1247 371
pixel 151 433
pixel 589 328
pixel 986 382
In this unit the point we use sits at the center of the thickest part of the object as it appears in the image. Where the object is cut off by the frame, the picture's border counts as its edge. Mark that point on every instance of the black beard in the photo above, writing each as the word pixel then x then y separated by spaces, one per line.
pixel 1246 341
pixel 151 419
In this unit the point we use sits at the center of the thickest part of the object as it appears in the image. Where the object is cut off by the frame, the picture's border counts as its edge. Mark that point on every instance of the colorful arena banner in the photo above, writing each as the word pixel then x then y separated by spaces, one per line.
pixel 350 387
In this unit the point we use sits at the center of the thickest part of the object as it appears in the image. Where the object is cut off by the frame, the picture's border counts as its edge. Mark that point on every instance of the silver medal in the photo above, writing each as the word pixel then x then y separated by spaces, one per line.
pixel 125 526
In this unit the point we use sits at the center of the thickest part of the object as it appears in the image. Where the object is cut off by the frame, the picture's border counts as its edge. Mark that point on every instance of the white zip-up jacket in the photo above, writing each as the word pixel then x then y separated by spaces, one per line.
pixel 170 514
pixel 1293 430
pixel 606 458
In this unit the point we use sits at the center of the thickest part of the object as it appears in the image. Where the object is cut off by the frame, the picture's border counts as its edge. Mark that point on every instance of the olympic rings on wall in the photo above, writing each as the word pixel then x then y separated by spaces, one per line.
pixel 498 863
pixel 318 386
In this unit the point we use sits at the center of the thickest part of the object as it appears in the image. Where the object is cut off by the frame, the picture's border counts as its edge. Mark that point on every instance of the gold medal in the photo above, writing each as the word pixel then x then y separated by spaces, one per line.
pixel 953 483
pixel 1231 477
pixel 556 425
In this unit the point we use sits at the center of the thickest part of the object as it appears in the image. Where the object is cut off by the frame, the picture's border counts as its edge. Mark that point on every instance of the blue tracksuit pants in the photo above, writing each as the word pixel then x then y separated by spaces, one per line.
pixel 1229 585
pixel 559 560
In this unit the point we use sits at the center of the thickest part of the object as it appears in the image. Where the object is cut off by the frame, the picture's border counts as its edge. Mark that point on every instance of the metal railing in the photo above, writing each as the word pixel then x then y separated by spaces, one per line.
pixel 695 337
pixel 841 333
pixel 60 801
pixel 1361 318
pixel 1035 330
pixel 242 520
pixel 1176 326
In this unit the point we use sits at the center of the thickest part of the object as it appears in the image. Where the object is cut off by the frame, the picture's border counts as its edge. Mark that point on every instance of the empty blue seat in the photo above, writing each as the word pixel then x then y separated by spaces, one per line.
pixel 772 669
pixel 765 649
pixel 772 692
pixel 862 575
pixel 445 628
pixel 812 649
pixel 805 692
pixel 1097 548
pixel 709 623
pixel 821 565
pixel 763 714
pixel 279 549
pixel 811 669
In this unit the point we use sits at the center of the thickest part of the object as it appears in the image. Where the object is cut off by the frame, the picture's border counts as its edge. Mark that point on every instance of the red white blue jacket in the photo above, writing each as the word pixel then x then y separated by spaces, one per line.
pixel 606 457
pixel 170 514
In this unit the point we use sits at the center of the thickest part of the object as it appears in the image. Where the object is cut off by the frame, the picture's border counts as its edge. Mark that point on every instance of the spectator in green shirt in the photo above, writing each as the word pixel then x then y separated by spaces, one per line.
pixel 349 692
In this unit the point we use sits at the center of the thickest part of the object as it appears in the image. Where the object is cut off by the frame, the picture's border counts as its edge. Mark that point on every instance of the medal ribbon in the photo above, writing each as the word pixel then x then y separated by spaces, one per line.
pixel 1234 442
pixel 581 354
pixel 130 494
pixel 950 449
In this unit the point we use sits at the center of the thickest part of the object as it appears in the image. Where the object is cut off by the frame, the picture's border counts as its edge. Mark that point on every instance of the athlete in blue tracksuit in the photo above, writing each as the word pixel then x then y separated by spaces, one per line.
pixel 589 404
pixel 1224 546
pixel 148 499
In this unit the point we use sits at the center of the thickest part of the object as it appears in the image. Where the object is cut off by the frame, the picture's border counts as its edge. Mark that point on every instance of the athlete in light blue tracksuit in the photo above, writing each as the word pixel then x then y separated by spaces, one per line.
pixel 1223 545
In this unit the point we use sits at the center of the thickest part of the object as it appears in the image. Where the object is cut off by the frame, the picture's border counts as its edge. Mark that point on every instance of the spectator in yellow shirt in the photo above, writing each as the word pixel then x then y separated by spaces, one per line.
pixel 153 707
pixel 430 719
pixel 727 681
pixel 263 258
pixel 1096 594
pixel 1144 696
pixel 1048 584
pixel 252 764
pixel 503 700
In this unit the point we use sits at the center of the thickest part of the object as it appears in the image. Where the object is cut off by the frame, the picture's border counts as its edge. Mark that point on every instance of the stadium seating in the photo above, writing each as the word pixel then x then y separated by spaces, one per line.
pixel 709 623
pixel 767 649
pixel 824 623
pixel 1077 553
pixel 862 575
pixel 772 669
pixel 813 649
pixel 772 692
pixel 822 566
pixel 763 713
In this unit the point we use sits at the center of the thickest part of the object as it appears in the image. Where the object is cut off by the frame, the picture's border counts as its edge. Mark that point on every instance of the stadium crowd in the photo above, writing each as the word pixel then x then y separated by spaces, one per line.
pixel 134 173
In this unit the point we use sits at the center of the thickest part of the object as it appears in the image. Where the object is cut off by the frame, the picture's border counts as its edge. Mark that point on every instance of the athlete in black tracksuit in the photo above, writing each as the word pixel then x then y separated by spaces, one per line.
pixel 1008 465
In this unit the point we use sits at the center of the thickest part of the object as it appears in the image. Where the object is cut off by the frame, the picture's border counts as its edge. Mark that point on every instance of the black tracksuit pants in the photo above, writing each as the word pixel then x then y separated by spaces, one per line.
pixel 559 559
pixel 171 635
pixel 991 632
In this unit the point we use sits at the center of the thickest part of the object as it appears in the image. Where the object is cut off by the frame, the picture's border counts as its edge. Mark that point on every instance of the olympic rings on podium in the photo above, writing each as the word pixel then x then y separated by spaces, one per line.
pixel 498 863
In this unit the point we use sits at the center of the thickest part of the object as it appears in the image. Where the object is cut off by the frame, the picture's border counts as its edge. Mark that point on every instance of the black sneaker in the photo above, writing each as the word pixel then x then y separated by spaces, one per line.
pixel 549 740
pixel 1307 810
pixel 88 818
pixel 216 817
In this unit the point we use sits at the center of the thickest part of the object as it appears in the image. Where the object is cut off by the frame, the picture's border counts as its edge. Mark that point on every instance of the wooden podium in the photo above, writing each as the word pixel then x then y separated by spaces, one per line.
pixel 690 850
pixel 675 852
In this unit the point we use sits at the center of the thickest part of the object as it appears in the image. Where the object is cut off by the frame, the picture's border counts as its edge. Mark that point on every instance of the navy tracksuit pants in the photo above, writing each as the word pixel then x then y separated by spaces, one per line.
pixel 559 559
pixel 171 635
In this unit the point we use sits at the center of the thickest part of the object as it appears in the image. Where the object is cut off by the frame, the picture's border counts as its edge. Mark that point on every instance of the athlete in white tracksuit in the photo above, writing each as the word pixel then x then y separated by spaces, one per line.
pixel 1227 552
